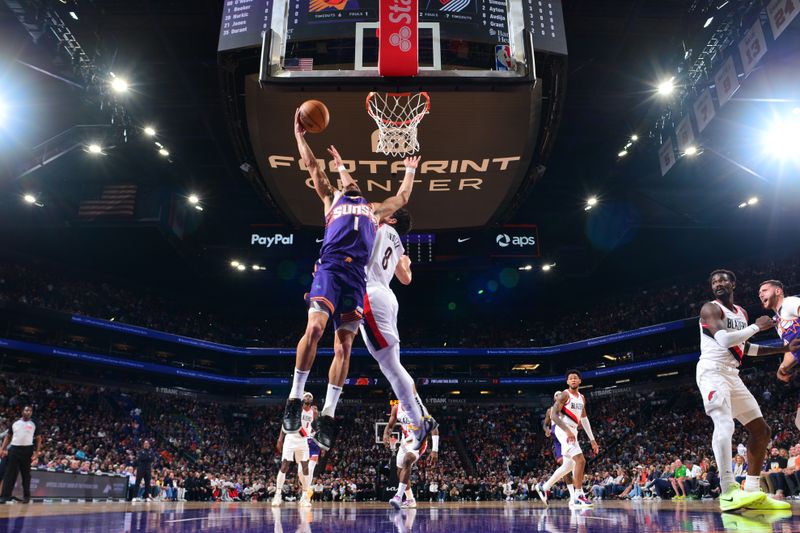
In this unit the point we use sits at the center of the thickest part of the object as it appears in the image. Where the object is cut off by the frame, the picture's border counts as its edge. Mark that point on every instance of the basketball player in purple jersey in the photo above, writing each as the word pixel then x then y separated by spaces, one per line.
pixel 339 284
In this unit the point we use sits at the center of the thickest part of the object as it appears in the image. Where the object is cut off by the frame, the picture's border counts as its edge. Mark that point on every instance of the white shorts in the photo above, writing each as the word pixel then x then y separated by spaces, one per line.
pixel 295 448
pixel 724 393
pixel 403 450
pixel 379 327
pixel 568 449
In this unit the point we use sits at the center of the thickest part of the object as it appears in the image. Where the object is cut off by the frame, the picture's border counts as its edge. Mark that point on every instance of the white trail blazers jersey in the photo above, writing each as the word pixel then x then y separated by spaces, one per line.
pixel 386 253
pixel 711 350
pixel 573 409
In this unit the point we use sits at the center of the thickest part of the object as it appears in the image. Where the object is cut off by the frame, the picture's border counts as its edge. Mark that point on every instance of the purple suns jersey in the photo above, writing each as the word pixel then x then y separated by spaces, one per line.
pixel 788 323
pixel 350 228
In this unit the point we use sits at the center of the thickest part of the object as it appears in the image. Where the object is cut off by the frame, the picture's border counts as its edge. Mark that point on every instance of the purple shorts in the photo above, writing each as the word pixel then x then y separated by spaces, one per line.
pixel 340 291
pixel 313 448
pixel 556 447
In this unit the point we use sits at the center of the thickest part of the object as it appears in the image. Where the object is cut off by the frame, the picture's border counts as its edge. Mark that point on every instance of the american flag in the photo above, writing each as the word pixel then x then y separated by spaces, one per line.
pixel 303 63
pixel 115 200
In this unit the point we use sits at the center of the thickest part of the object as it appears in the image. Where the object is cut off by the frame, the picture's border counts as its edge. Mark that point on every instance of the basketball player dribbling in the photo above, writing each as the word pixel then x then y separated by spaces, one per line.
pixel 293 447
pixel 723 344
pixel 787 311
pixel 569 411
pixel 550 432
pixel 408 453
pixel 337 291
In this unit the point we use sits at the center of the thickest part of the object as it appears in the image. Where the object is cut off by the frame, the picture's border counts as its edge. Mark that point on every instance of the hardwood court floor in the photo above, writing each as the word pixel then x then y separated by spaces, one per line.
pixel 473 517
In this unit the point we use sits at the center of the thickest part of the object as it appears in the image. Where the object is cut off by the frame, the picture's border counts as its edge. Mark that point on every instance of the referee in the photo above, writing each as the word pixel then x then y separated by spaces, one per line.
pixel 20 436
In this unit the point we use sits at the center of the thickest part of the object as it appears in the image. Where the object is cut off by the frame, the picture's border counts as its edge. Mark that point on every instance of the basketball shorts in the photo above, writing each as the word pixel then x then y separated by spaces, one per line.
pixel 295 448
pixel 404 449
pixel 568 449
pixel 725 393
pixel 379 328
pixel 313 449
pixel 556 447
pixel 339 291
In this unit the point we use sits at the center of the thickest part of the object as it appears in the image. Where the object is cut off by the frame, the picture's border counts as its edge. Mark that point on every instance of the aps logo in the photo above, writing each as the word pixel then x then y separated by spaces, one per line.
pixel 503 240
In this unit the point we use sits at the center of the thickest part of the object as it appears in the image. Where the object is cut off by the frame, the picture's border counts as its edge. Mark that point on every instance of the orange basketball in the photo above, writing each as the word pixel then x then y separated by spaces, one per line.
pixel 314 116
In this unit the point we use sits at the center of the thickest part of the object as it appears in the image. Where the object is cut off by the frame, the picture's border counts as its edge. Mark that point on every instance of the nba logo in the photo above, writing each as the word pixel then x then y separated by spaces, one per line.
pixel 503 59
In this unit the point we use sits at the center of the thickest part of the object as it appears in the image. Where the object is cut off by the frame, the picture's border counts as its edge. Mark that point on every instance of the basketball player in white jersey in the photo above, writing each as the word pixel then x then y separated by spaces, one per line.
pixel 550 432
pixel 407 454
pixel 293 447
pixel 379 328
pixel 723 344
pixel 568 411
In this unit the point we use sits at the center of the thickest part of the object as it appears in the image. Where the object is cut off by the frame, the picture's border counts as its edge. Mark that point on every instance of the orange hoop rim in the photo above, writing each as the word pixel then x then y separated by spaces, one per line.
pixel 415 118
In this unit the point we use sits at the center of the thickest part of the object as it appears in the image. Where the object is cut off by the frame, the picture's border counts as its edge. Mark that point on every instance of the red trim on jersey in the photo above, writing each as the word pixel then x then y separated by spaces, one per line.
pixel 372 325
pixel 737 352
pixel 570 414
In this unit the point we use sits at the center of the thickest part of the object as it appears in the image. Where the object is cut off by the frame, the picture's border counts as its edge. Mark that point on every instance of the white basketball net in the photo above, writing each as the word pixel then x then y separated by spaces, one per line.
pixel 397 116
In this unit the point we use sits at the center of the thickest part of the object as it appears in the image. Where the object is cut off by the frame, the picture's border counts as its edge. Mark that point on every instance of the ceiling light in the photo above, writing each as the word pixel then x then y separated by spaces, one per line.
pixel 743 204
pixel 753 200
pixel 149 131
pixel 163 151
pixel 781 139
pixel 547 268
pixel 592 201
pixel 29 199
pixel 256 267
pixel 95 148
pixel 198 207
pixel 526 267
pixel 73 15
pixel 690 150
pixel 235 263
pixel 119 85
pixel 708 22
pixel 193 199
pixel 666 87
pixel 622 153
pixel 240 267
pixel 634 137
pixel 610 357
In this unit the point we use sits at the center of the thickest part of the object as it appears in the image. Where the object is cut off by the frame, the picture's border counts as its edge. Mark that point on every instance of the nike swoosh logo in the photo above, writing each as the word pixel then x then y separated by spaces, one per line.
pixel 464 240
pixel 320 240
pixel 727 499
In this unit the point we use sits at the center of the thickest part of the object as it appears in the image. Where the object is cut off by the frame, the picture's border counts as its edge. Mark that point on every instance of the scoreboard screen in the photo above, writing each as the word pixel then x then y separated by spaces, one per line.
pixel 244 21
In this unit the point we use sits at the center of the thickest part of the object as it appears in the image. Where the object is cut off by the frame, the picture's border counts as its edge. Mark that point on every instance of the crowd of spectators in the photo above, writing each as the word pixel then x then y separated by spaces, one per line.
pixel 654 444
pixel 38 286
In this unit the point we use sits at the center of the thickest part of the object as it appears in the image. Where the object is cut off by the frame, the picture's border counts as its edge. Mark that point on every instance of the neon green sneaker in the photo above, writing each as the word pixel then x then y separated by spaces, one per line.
pixel 769 504
pixel 737 522
pixel 736 498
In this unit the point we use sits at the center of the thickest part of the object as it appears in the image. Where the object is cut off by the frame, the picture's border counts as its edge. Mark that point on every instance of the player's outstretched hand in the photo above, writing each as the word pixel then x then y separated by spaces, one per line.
pixel 337 159
pixel 764 323
pixel 411 162
pixel 299 130
pixel 547 432
pixel 387 440
pixel 784 375
pixel 595 447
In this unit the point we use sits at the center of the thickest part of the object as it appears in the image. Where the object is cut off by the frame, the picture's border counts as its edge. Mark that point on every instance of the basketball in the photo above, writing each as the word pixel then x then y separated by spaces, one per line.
pixel 314 116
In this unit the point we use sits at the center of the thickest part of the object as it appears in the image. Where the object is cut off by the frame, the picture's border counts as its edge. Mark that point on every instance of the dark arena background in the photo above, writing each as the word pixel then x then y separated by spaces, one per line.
pixel 585 166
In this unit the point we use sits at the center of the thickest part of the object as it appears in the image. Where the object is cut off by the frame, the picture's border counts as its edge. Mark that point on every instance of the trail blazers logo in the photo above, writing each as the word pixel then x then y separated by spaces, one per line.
pixel 453 6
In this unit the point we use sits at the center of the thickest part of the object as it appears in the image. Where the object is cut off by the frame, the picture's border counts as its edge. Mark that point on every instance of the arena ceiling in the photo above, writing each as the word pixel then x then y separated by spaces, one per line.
pixel 644 225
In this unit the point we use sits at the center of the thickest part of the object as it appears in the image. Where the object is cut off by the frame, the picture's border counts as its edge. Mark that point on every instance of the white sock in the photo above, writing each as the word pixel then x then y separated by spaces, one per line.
pixel 401 381
pixel 281 481
pixel 571 489
pixel 409 494
pixel 299 383
pixel 721 443
pixel 331 399
pixel 752 483
pixel 401 488
pixel 563 470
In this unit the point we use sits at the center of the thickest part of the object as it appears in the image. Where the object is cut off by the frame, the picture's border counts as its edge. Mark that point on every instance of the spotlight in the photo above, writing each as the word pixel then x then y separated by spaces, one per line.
pixel 666 87
pixel 708 22
pixel 742 205
pixel 240 267
pixel 690 151
pixel 163 151
pixel 548 267
pixel 95 148
pixel 526 267
pixel 622 153
pixel 73 15
pixel 29 199
pixel 753 200
pixel 198 207
pixel 193 199
pixel 235 263
pixel 149 131
pixel 781 139
pixel 634 137
pixel 119 85
pixel 591 202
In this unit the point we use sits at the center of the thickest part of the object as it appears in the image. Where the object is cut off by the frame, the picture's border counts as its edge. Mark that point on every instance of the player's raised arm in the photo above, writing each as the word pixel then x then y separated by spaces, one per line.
pixel 321 183
pixel 393 203
pixel 587 427
pixel 403 270
pixel 344 175
pixel 712 319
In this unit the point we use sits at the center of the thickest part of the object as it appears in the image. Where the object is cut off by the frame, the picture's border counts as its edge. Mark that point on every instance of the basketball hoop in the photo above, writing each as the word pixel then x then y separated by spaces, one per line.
pixel 397 116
